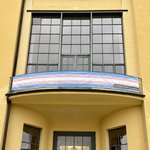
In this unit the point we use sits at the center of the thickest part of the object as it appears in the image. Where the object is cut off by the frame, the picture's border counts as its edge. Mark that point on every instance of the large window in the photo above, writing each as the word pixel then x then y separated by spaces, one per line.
pixel 76 42
pixel 30 138
pixel 118 139
pixel 74 141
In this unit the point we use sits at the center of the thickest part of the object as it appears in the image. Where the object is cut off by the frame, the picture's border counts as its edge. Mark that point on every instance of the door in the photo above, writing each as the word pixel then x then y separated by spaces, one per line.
pixel 74 141
pixel 75 63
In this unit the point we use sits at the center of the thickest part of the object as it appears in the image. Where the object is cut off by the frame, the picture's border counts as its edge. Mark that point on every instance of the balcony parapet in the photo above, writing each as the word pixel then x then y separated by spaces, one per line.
pixel 77 81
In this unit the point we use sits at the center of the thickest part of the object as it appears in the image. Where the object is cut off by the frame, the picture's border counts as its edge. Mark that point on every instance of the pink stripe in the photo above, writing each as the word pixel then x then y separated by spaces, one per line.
pixel 63 82
pixel 85 76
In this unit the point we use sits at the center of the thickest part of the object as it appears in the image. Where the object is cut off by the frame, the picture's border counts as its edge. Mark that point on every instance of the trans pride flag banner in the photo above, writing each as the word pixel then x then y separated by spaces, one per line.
pixel 76 80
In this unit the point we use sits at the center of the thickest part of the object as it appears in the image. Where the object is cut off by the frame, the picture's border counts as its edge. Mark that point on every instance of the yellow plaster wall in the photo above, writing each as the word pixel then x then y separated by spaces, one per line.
pixel 132 118
pixel 27 116
pixel 9 19
pixel 20 116
pixel 136 36
pixel 135 133
pixel 142 21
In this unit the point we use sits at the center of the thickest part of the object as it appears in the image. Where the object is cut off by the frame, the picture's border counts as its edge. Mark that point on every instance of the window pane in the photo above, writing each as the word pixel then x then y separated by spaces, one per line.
pixel 31 69
pixel 107 20
pixel 66 30
pixel 75 22
pixel 119 59
pixel 45 29
pixel 86 68
pixel 108 68
pixel 107 29
pixel 53 68
pixel 43 48
pixel 107 38
pixel 32 58
pixel 66 22
pixel 76 30
pixel 97 39
pixel 75 49
pixel 46 21
pixel 33 48
pixel 36 20
pixel 66 49
pixel 42 59
pixel 116 20
pixel 44 39
pixel 107 48
pixel 97 48
pixel 85 49
pixel 54 38
pixel 117 29
pixel 108 58
pixel 97 29
pixel 114 147
pixel 78 143
pixel 42 68
pixel 97 21
pixel 87 143
pixel 85 30
pixel 120 69
pixel 35 39
pixel 66 39
pixel 61 143
pixel 85 22
pixel 117 38
pixel 55 29
pixel 123 147
pixel 25 146
pixel 75 39
pixel 118 48
pixel 53 59
pixel 122 136
pixel 69 142
pixel 97 68
pixel 54 48
pixel 55 21
pixel 113 137
pixel 97 59
pixel 35 29
pixel 85 39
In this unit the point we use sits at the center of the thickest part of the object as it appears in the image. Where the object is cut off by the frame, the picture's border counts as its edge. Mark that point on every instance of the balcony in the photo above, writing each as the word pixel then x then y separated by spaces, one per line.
pixel 91 81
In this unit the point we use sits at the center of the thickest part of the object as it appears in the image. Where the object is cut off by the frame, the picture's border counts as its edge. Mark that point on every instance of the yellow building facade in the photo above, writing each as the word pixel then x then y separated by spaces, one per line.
pixel 75 108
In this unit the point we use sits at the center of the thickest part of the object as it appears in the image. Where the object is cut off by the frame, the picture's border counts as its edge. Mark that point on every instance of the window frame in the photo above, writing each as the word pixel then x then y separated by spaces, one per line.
pixel 91 65
pixel 38 132
pixel 67 133
pixel 117 129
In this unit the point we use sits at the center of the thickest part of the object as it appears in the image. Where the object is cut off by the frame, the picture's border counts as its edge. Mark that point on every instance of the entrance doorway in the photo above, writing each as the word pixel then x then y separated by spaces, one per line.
pixel 74 141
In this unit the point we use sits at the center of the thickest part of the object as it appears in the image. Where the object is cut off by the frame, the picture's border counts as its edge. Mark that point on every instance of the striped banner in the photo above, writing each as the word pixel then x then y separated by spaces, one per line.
pixel 76 80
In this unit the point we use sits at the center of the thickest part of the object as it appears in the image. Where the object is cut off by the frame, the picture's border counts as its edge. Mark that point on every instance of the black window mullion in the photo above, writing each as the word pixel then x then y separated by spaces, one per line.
pixel 114 68
pixel 49 46
pixel 36 68
pixel 91 42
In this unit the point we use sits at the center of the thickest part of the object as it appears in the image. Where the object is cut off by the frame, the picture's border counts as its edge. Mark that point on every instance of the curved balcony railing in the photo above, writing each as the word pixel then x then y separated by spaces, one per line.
pixel 76 80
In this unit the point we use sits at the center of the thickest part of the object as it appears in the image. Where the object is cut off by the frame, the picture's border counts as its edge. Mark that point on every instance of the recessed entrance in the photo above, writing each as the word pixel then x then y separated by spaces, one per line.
pixel 74 141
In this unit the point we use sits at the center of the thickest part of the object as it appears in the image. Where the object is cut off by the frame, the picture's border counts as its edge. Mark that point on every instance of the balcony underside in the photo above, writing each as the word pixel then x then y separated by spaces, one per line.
pixel 65 106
